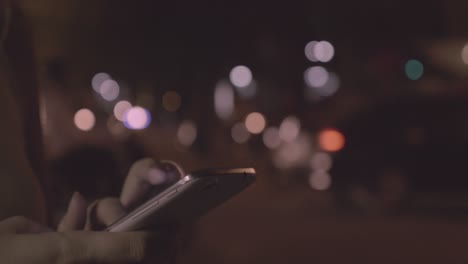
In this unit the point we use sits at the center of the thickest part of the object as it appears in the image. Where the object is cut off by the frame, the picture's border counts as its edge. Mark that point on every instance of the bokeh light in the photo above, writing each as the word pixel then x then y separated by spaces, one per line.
pixel 271 138
pixel 320 180
pixel 120 108
pixel 137 118
pixel 187 133
pixel 224 100
pixel 316 76
pixel 84 119
pixel 309 51
pixel 324 51
pixel 98 79
pixel 241 76
pixel 255 123
pixel 414 69
pixel 464 54
pixel 171 101
pixel 289 128
pixel 293 154
pixel 248 91
pixel 239 133
pixel 109 90
pixel 331 140
pixel 330 87
pixel 321 161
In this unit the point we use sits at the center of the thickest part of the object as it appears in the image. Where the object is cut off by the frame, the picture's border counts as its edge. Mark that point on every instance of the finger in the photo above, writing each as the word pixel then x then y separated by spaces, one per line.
pixel 75 217
pixel 136 184
pixel 143 176
pixel 20 225
pixel 104 212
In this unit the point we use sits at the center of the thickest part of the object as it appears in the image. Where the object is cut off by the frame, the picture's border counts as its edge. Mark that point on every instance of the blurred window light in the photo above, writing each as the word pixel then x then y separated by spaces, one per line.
pixel 255 123
pixel 464 54
pixel 309 51
pixel 171 101
pixel 271 138
pixel 120 108
pixel 289 128
pixel 84 119
pixel 239 133
pixel 137 118
pixel 98 79
pixel 187 133
pixel 414 69
pixel 224 100
pixel 321 161
pixel 109 90
pixel 331 140
pixel 320 180
pixel 241 76
pixel 324 51
pixel 316 76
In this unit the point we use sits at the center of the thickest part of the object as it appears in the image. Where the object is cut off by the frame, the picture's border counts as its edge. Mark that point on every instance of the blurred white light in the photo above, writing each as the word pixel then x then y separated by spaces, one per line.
pixel 224 100
pixel 187 133
pixel 324 51
pixel 84 119
pixel 289 128
pixel 98 79
pixel 120 108
pixel 309 51
pixel 330 87
pixel 316 76
pixel 109 90
pixel 321 161
pixel 248 91
pixel 137 118
pixel 239 133
pixel 240 76
pixel 255 123
pixel 271 138
pixel 294 153
pixel 320 180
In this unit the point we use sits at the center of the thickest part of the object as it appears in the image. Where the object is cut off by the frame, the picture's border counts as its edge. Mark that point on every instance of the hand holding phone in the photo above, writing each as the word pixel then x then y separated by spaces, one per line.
pixel 190 197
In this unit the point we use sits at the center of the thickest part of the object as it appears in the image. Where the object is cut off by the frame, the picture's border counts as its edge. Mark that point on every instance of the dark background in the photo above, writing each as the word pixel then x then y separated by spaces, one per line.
pixel 398 186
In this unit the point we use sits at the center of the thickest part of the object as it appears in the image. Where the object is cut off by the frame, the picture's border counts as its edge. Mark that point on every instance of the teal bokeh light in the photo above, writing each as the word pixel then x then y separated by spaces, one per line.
pixel 414 69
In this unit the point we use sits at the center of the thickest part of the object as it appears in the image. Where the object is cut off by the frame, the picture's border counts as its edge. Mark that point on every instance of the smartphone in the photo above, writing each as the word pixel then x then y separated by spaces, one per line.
pixel 188 198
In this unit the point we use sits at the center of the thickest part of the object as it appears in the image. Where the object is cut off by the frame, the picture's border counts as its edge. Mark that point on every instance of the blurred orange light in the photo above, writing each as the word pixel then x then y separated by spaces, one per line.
pixel 84 119
pixel 331 140
pixel 255 123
